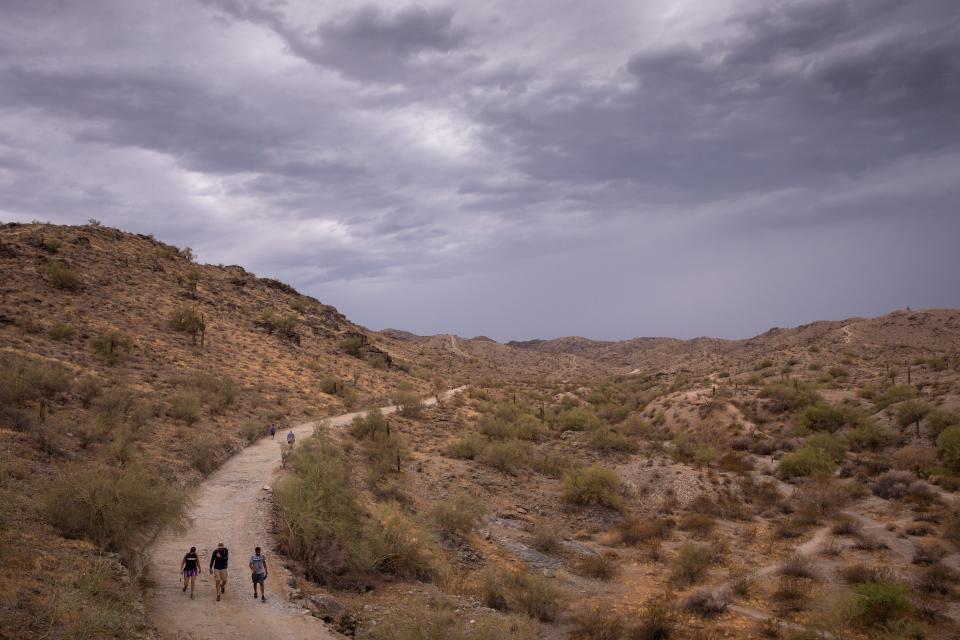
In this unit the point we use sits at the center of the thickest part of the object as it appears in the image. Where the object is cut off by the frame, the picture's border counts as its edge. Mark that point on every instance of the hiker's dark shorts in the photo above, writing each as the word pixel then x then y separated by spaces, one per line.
pixel 258 578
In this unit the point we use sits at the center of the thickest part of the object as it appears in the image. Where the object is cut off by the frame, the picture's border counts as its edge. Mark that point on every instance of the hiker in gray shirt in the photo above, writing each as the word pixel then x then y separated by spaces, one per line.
pixel 258 569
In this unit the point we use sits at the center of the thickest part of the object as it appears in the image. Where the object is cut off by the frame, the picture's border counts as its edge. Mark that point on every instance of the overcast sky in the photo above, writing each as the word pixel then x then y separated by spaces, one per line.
pixel 513 169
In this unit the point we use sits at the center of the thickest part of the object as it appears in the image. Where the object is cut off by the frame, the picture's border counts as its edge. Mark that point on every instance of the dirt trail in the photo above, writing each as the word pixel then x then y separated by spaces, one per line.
pixel 233 505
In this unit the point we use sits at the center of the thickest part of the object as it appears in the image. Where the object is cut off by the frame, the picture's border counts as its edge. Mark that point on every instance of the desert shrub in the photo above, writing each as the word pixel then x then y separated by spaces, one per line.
pixel 599 566
pixel 838 373
pixel 634 530
pixel 112 346
pixel 185 319
pixel 63 277
pixel 881 601
pixel 519 591
pixel 937 578
pixel 791 595
pixel 352 345
pixel 383 455
pixel 251 431
pixel 23 380
pixel 321 521
pixel 466 448
pixel 506 455
pixel 578 419
pixel 597 622
pixel 948 448
pixel 545 540
pixel 61 332
pixel 418 620
pixel 605 439
pixel 927 553
pixel 829 444
pixel 207 454
pixel 912 412
pixel 552 464
pixel 185 406
pixel 892 484
pixel 401 547
pixel 283 324
pixel 707 603
pixel 591 485
pixel 826 417
pixel 891 394
pixel 408 405
pixel 334 386
pixel 692 563
pixel 785 397
pixel 869 436
pixel 796 566
pixel 370 425
pixel 940 419
pixel 216 391
pixel 805 461
pixel 111 507
pixel 698 523
pixel 917 459
pixel 657 621
pixel 861 573
pixel 457 514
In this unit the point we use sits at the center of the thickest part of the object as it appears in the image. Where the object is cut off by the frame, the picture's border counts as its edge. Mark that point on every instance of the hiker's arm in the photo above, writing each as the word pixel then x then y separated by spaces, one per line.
pixel 266 570
pixel 211 560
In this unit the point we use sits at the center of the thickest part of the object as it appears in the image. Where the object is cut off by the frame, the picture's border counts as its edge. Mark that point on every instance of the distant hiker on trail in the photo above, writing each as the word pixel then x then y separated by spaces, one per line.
pixel 273 431
pixel 218 567
pixel 258 569
pixel 190 568
pixel 291 438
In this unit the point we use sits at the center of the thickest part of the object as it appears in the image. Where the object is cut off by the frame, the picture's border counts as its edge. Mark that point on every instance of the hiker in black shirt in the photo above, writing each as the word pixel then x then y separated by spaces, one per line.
pixel 218 567
pixel 190 568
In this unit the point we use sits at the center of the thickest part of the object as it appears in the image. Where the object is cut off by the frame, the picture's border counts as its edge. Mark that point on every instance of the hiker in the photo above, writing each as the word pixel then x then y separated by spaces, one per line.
pixel 273 431
pixel 258 569
pixel 218 567
pixel 190 568
pixel 291 438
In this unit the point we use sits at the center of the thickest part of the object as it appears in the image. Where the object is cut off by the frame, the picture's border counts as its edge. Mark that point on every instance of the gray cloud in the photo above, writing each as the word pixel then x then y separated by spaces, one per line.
pixel 476 168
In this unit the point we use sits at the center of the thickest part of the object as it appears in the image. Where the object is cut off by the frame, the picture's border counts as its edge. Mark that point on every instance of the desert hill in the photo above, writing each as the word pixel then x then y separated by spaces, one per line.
pixel 676 488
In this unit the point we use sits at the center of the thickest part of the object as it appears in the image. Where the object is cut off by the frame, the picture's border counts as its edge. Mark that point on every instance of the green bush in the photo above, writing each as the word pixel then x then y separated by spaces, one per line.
pixel 805 461
pixel 506 455
pixel 61 332
pixel 23 380
pixel 948 448
pixel 185 406
pixel 420 621
pixel 369 425
pixel 829 444
pixel 384 455
pixel 912 412
pixel 940 419
pixel 692 563
pixel 519 591
pixel 215 391
pixel 112 346
pixel 599 566
pixel 591 485
pixel 870 435
pixel 408 405
pixel 251 431
pixel 789 397
pixel 467 448
pixel 114 508
pixel 457 514
pixel 552 464
pixel 825 417
pixel 207 454
pixel 891 394
pixel 578 419
pixel 606 439
pixel 882 601
pixel 63 277
pixel 186 319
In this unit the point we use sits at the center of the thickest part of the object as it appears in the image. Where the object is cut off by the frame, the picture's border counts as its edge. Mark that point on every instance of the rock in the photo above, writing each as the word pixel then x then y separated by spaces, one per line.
pixel 325 607
pixel 549 573
pixel 267 488
pixel 292 582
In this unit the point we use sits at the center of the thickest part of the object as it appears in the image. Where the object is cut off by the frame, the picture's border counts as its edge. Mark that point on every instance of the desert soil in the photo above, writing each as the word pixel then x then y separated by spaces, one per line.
pixel 233 506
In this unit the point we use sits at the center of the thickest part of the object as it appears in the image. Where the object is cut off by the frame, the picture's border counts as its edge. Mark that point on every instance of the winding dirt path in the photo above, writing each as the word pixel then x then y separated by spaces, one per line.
pixel 233 506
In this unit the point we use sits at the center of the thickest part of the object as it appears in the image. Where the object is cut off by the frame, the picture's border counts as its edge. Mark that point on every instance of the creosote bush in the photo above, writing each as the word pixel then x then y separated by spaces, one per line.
pixel 185 319
pixel 600 566
pixel 805 461
pixel 185 406
pixel 63 277
pixel 457 514
pixel 692 563
pixel 437 621
pixel 111 507
pixel 112 346
pixel 784 397
pixel 593 485
pixel 519 591
pixel 881 601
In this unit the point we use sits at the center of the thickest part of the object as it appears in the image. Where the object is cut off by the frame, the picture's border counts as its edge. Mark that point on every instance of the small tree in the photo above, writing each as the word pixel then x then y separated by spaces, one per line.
pixel 948 447
pixel 912 412
pixel 186 319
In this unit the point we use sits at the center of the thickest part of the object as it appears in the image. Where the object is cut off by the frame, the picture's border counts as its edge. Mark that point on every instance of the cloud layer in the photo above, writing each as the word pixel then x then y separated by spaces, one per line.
pixel 539 169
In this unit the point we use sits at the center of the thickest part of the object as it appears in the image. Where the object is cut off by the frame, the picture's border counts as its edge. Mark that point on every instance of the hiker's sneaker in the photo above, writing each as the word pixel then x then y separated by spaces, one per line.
pixel 191 595
pixel 184 590
pixel 218 597
pixel 263 598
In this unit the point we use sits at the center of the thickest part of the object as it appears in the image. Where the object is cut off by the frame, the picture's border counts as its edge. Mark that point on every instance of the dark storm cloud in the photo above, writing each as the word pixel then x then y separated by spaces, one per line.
pixel 473 168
